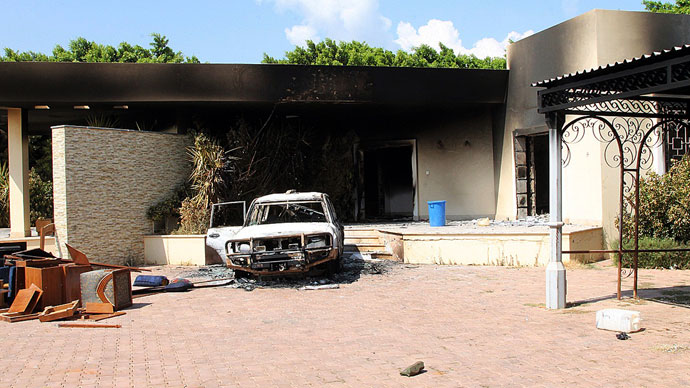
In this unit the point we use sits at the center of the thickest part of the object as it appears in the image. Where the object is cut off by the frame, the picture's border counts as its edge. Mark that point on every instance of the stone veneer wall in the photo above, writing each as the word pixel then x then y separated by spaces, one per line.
pixel 104 181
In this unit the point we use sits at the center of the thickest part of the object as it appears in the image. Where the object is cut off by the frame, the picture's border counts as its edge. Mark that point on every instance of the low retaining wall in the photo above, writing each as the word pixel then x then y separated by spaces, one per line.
pixel 183 249
pixel 497 249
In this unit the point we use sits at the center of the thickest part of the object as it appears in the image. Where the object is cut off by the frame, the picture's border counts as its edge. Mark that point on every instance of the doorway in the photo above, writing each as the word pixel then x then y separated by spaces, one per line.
pixel 532 174
pixel 388 181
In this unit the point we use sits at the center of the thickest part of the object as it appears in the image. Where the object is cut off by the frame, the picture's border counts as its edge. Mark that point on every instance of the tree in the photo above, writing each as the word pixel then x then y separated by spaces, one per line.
pixel 679 6
pixel 83 50
pixel 329 52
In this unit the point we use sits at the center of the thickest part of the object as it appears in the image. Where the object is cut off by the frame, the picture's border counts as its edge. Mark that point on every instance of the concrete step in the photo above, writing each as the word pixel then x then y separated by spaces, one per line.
pixel 382 255
pixel 365 247
pixel 360 232
pixel 362 240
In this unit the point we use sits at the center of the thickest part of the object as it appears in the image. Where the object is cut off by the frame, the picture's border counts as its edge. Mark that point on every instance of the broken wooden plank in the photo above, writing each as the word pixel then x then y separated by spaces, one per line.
pixel 26 300
pixel 89 325
pixel 17 317
pixel 100 317
pixel 99 308
pixel 53 313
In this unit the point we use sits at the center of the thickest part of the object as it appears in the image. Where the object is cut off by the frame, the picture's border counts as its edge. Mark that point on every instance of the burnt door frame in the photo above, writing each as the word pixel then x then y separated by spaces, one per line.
pixel 358 150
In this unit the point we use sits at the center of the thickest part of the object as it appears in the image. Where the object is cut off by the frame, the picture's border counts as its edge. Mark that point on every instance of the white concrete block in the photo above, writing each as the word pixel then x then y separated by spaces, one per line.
pixel 626 321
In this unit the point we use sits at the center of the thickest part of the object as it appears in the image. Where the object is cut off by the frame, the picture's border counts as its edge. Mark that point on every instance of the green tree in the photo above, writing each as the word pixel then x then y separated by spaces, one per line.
pixel 83 50
pixel 678 6
pixel 329 52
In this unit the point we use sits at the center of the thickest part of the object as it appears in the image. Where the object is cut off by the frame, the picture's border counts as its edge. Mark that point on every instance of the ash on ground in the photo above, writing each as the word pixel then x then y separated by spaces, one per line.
pixel 354 266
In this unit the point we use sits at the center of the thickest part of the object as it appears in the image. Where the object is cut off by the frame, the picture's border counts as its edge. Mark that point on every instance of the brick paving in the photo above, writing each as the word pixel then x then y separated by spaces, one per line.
pixel 472 327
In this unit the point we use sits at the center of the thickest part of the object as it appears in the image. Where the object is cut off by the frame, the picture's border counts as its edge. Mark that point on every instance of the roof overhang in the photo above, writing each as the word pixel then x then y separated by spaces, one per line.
pixel 636 85
pixel 28 84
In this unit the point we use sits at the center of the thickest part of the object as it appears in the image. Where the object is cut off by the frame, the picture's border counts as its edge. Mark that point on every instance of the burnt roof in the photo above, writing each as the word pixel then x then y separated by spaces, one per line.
pixel 25 84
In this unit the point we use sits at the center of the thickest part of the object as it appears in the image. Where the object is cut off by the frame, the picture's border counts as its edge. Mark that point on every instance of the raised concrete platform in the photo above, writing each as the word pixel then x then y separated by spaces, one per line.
pixel 32 241
pixel 515 243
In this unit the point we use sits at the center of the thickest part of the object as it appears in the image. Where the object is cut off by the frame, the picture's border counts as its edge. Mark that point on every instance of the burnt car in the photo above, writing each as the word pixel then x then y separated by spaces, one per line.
pixel 287 233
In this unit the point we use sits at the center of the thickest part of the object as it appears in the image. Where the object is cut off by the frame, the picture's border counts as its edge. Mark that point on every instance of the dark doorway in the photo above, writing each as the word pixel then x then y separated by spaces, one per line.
pixel 540 160
pixel 532 174
pixel 388 182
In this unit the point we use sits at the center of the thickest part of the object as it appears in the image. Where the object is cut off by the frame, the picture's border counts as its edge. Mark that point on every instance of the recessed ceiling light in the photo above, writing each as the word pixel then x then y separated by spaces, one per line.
pixel 81 107
pixel 41 107
pixel 120 106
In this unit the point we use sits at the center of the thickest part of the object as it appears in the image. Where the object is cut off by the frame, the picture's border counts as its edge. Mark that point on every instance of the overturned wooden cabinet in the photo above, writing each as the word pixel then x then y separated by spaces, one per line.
pixel 107 286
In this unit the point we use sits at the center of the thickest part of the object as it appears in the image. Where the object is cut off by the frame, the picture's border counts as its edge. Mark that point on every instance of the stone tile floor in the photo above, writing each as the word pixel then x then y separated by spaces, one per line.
pixel 472 327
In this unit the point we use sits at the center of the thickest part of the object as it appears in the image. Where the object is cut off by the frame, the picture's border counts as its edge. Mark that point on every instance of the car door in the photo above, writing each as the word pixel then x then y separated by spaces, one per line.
pixel 227 219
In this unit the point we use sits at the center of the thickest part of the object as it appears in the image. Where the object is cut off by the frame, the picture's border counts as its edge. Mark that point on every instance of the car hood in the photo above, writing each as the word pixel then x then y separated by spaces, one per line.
pixel 284 229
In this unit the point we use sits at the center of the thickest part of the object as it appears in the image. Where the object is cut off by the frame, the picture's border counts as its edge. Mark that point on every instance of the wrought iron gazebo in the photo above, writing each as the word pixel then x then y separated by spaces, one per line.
pixel 632 107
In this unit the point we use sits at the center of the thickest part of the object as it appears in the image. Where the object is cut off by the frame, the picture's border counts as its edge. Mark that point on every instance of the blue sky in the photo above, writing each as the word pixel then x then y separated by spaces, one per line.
pixel 240 31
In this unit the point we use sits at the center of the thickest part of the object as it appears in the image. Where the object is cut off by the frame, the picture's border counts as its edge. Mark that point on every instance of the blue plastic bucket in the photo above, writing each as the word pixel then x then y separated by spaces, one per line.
pixel 437 213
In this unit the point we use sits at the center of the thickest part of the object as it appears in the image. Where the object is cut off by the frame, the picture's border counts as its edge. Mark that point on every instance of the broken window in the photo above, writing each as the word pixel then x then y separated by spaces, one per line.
pixel 275 213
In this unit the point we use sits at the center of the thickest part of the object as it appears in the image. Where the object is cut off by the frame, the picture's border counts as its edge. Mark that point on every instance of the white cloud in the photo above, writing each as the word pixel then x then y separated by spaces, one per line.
pixel 336 19
pixel 443 31
pixel 299 34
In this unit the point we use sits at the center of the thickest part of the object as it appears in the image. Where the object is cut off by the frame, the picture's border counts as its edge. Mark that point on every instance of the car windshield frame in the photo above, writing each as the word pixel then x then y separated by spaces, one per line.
pixel 251 219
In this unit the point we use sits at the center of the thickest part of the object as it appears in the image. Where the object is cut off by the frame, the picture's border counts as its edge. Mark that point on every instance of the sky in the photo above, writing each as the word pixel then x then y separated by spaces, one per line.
pixel 241 31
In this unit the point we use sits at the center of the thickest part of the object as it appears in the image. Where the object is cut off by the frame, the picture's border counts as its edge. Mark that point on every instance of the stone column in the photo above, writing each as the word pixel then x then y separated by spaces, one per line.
pixel 18 155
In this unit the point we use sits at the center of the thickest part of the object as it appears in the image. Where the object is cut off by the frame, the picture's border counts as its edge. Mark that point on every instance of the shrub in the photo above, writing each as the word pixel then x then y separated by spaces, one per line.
pixel 675 260
pixel 664 205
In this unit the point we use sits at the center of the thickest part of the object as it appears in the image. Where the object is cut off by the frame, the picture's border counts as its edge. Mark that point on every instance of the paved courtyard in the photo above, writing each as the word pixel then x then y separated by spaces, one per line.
pixel 472 327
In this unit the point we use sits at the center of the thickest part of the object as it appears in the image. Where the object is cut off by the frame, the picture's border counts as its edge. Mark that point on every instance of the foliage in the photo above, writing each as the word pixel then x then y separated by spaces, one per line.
pixel 40 193
pixel 40 197
pixel 329 52
pixel 210 166
pixel 664 204
pixel 82 50
pixel 41 156
pixel 169 207
pixel 4 195
pixel 194 218
pixel 675 260
pixel 267 158
pixel 678 6
pixel 209 182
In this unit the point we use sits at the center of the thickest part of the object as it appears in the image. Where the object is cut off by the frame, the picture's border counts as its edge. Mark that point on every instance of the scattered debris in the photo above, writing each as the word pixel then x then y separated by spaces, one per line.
pixel 249 287
pixel 89 325
pixel 627 321
pixel 413 370
pixel 483 222
pixel 100 317
pixel 150 281
pixel 320 287
pixel 622 336
pixel 53 313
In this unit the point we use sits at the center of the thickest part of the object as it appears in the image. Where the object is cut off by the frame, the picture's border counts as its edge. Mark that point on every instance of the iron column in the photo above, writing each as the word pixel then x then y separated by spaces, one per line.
pixel 555 271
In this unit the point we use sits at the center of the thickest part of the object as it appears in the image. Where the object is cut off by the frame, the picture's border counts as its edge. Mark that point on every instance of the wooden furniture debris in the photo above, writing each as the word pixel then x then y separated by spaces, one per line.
pixel 26 300
pixel 17 317
pixel 44 227
pixel 79 257
pixel 107 286
pixel 99 308
pixel 72 284
pixel 100 317
pixel 50 280
pixel 53 313
pixel 89 325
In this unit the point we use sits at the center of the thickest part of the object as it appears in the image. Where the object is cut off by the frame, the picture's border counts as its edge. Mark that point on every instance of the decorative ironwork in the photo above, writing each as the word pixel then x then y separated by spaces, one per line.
pixel 676 137
pixel 680 72
pixel 631 84
pixel 635 108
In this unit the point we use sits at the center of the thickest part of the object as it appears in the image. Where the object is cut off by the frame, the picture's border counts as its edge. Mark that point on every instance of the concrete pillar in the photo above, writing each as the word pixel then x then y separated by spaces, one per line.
pixel 18 155
pixel 555 272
